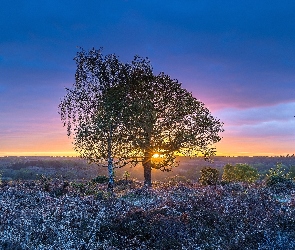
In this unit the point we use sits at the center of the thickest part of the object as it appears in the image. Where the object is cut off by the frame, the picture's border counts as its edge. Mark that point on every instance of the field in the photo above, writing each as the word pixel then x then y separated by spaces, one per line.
pixel 57 214
pixel 72 168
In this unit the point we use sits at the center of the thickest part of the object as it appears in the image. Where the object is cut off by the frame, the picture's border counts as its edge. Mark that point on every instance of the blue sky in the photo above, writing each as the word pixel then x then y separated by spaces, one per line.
pixel 238 57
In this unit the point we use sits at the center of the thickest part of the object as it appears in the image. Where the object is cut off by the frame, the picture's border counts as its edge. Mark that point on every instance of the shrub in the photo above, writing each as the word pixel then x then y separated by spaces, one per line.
pixel 100 179
pixel 276 175
pixel 85 188
pixel 291 173
pixel 278 180
pixel 126 175
pixel 239 173
pixel 79 186
pixel 175 180
pixel 45 181
pixel 209 176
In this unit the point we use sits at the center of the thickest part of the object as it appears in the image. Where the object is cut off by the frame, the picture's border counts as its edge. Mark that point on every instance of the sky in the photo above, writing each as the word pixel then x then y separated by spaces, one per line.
pixel 238 57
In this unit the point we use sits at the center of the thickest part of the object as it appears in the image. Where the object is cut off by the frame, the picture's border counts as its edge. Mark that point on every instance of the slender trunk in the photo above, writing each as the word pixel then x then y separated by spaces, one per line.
pixel 147 170
pixel 110 162
pixel 111 173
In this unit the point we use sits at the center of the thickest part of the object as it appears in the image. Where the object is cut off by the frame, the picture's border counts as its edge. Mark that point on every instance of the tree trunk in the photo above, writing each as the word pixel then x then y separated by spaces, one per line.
pixel 111 174
pixel 110 162
pixel 147 170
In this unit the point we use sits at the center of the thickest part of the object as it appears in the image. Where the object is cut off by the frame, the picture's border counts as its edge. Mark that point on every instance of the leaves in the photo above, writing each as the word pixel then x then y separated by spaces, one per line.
pixel 136 113
pixel 239 173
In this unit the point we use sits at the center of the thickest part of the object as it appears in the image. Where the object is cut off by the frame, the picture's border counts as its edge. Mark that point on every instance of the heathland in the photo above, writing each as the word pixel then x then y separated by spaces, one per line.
pixel 73 168
pixel 63 203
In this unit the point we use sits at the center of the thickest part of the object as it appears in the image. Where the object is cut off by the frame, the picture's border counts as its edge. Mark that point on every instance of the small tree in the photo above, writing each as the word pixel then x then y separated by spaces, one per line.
pixel 209 176
pixel 239 173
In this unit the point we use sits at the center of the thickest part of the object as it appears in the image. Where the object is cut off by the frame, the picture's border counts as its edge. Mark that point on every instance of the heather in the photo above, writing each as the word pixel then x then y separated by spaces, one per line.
pixel 57 214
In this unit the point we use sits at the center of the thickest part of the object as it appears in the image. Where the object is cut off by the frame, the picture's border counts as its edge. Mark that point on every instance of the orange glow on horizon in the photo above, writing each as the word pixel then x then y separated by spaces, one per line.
pixel 155 156
pixel 40 153
pixel 59 145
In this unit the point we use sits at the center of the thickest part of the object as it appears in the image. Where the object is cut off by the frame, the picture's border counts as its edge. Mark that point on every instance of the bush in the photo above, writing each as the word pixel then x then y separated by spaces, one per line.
pixel 276 175
pixel 100 179
pixel 45 181
pixel 278 180
pixel 126 175
pixel 291 173
pixel 209 176
pixel 239 173
pixel 175 180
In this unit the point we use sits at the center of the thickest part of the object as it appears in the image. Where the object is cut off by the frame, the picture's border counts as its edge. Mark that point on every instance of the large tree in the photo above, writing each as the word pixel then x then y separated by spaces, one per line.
pixel 169 122
pixel 123 111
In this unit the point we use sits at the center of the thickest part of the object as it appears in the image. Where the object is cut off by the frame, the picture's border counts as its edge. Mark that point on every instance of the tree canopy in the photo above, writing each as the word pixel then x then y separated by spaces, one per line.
pixel 125 114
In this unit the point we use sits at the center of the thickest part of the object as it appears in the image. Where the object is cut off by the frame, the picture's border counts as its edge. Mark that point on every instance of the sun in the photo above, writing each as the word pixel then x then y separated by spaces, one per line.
pixel 156 155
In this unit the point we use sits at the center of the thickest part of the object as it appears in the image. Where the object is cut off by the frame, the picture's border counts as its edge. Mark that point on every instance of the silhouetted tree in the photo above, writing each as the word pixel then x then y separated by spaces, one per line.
pixel 169 121
pixel 93 109
pixel 123 111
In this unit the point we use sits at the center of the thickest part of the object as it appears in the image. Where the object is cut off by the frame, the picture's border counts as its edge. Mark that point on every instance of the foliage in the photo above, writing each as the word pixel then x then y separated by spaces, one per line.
pixel 239 173
pixel 278 179
pixel 278 171
pixel 24 174
pixel 85 188
pixel 45 181
pixel 100 179
pixel 209 176
pixel 291 173
pixel 176 179
pixel 173 121
pixel 126 175
pixel 95 108
pixel 30 168
pixel 123 111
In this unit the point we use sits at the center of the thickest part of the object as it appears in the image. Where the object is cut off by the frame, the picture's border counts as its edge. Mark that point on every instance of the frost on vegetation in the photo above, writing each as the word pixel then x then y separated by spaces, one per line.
pixel 181 216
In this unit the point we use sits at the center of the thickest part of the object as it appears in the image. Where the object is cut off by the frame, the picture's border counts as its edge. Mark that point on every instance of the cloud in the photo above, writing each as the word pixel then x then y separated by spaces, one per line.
pixel 275 122
pixel 283 112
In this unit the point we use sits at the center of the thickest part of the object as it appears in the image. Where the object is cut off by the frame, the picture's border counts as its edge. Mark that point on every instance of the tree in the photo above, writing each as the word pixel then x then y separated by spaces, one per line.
pixel 123 111
pixel 169 121
pixel 93 109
